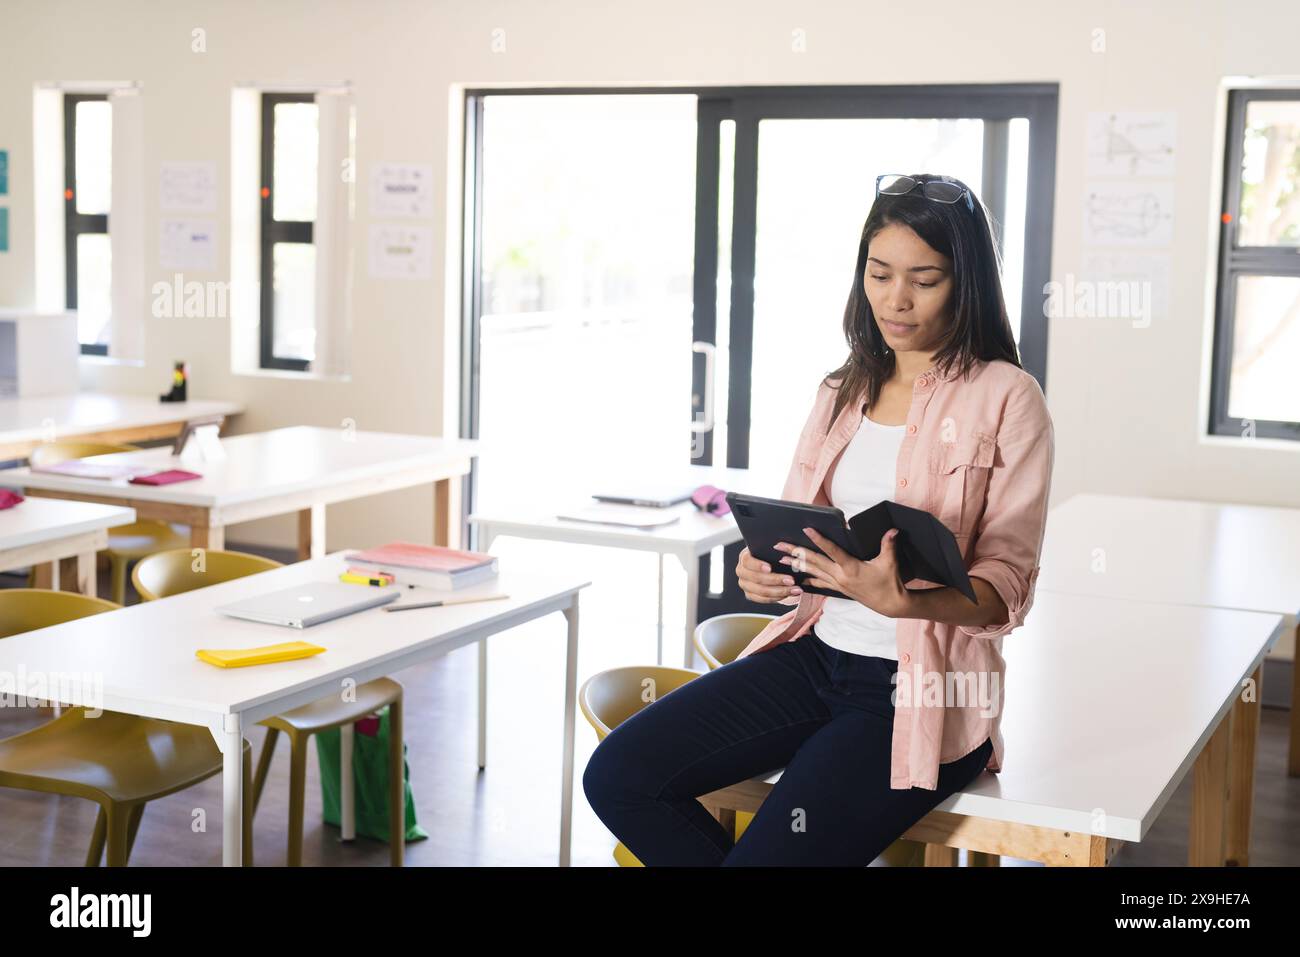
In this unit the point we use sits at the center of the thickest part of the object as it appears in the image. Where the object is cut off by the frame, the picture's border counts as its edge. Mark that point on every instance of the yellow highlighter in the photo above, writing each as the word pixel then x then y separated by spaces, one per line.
pixel 358 579
pixel 241 657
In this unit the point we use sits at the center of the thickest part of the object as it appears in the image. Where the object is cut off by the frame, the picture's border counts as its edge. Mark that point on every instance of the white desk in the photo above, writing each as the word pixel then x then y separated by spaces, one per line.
pixel 1181 553
pixel 1109 703
pixel 64 534
pixel 692 536
pixel 27 422
pixel 300 469
pixel 145 655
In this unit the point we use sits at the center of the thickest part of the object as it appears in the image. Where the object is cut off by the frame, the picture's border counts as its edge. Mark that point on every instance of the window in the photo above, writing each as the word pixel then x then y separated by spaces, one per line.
pixel 87 164
pixel 1257 318
pixel 289 157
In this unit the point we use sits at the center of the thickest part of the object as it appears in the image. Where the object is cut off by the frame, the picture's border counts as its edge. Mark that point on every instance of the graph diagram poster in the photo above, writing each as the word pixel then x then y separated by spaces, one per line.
pixel 1131 144
pixel 1128 214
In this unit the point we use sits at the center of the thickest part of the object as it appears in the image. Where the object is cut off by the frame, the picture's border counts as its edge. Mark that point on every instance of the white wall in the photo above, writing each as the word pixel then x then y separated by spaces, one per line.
pixel 1125 400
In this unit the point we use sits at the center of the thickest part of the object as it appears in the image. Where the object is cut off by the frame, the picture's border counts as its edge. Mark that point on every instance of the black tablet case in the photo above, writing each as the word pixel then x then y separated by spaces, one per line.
pixel 925 547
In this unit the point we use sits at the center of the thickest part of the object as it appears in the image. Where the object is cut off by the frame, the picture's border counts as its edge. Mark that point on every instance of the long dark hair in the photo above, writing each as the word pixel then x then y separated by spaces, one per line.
pixel 979 328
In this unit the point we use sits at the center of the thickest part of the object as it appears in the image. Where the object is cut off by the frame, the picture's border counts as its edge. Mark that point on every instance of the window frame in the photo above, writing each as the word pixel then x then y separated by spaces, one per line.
pixel 74 223
pixel 1235 262
pixel 275 231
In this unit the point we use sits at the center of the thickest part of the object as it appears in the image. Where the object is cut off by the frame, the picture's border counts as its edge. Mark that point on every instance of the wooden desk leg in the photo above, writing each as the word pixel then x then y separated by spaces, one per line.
pixel 1241 773
pixel 937 855
pixel 311 532
pixel 1208 839
pixel 213 537
pixel 43 575
pixel 980 859
pixel 1293 761
pixel 447 511
pixel 724 816
pixel 77 574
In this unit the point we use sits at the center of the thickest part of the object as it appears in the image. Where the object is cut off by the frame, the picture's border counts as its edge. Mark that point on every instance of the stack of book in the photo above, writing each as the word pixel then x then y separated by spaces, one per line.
pixel 428 566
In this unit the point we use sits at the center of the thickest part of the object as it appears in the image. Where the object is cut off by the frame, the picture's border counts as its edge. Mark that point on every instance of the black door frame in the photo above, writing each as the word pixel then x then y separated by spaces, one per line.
pixel 997 105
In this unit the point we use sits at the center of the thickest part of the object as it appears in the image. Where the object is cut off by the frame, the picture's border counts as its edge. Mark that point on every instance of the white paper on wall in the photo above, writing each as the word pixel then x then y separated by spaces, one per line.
pixel 1128 213
pixel 188 187
pixel 1128 285
pixel 401 189
pixel 1131 144
pixel 401 252
pixel 188 244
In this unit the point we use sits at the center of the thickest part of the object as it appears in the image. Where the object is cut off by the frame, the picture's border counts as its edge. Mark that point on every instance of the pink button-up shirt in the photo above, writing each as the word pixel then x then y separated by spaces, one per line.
pixel 977 454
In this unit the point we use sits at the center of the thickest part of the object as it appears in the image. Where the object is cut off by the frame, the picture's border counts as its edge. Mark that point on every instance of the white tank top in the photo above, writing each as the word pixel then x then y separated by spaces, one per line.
pixel 863 477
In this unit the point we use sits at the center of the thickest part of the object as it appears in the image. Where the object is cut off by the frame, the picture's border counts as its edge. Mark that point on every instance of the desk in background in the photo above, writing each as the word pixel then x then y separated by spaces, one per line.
pixel 59 538
pixel 295 470
pixel 26 423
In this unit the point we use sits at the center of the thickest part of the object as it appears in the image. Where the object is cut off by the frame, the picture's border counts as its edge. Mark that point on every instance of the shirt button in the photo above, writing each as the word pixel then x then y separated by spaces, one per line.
pixel 920 381
pixel 911 430
pixel 905 657
pixel 902 483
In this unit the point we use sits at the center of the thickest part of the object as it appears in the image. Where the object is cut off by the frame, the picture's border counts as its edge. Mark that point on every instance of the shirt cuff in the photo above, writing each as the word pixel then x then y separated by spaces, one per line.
pixel 1007 583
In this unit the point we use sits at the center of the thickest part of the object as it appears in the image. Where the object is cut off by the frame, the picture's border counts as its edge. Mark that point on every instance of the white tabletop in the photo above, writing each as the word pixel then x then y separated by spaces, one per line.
pixel 145 652
pixel 34 521
pixel 265 465
pixel 30 419
pixel 694 529
pixel 1180 552
pixel 1108 704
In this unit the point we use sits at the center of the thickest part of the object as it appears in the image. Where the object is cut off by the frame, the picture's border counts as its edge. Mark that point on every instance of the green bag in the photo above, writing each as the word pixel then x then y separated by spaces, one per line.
pixel 370 774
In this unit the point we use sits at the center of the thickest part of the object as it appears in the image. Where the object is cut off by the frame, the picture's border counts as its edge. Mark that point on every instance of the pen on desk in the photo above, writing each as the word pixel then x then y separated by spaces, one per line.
pixel 445 601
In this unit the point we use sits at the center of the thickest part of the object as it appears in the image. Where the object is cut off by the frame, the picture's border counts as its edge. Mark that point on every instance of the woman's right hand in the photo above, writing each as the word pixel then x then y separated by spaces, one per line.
pixel 760 583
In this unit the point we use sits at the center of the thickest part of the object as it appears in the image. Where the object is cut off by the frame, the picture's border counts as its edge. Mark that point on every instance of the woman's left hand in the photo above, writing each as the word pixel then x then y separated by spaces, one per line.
pixel 874 583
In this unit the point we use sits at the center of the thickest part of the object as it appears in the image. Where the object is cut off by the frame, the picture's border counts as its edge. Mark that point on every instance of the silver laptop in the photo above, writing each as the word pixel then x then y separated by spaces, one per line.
pixel 309 604
pixel 649 496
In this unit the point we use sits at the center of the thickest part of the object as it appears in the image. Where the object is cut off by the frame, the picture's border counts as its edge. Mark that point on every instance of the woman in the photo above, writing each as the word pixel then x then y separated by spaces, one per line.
pixel 893 703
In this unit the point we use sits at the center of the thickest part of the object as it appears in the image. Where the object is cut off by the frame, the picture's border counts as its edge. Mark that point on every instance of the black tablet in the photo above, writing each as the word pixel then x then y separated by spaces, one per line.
pixel 925 548
pixel 765 521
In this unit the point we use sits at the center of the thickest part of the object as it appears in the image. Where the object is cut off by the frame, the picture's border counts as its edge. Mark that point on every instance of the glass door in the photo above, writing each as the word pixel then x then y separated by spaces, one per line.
pixel 584 340
pixel 800 167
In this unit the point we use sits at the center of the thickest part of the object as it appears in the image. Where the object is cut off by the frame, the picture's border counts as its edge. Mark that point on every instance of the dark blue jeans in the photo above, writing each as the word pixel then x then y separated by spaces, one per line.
pixel 822 714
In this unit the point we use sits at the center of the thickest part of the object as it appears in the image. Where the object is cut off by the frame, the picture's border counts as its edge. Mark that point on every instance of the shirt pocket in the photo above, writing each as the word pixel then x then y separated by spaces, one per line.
pixel 808 450
pixel 960 473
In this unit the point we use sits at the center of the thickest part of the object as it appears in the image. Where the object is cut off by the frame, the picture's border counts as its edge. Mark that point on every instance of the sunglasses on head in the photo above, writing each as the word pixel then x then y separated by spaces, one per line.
pixel 941 190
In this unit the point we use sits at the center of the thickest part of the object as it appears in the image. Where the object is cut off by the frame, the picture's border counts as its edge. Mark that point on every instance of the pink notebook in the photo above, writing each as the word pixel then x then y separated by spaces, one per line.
pixel 433 558
pixel 168 477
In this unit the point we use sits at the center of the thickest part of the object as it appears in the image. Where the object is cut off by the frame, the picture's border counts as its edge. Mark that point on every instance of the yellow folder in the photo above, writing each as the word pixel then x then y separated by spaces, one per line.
pixel 240 657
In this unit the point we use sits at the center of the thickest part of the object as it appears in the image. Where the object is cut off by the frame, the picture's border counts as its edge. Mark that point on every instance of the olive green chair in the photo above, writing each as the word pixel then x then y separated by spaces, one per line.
pixel 119 761
pixel 126 543
pixel 611 697
pixel 173 572
pixel 720 640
